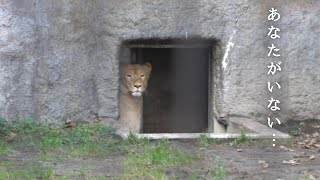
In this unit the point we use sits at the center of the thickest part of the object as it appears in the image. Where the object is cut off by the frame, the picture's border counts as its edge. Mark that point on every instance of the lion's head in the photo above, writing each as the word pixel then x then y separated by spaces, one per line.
pixel 134 78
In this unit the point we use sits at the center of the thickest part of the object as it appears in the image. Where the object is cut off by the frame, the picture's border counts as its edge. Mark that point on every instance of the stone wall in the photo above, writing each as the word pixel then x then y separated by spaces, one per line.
pixel 59 58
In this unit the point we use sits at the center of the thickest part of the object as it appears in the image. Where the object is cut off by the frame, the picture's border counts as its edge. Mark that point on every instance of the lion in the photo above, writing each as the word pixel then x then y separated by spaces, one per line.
pixel 133 83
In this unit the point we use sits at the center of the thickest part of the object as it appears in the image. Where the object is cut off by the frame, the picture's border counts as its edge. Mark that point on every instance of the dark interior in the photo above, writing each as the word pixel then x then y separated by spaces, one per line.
pixel 177 97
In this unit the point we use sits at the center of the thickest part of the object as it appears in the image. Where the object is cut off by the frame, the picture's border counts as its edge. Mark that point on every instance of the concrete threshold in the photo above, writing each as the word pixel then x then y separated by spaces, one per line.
pixel 209 135
pixel 252 129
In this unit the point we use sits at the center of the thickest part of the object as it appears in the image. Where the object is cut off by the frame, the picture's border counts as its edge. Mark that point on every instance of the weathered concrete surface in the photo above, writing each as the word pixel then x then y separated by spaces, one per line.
pixel 59 58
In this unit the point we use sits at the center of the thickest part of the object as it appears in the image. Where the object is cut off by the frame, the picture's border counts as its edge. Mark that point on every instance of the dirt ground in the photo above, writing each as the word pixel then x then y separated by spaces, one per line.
pixel 296 158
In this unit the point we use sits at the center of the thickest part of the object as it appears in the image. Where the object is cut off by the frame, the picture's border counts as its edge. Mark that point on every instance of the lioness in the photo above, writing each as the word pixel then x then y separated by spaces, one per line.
pixel 133 82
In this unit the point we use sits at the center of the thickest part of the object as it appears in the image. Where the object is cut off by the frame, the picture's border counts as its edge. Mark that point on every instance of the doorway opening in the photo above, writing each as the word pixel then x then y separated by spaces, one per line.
pixel 177 98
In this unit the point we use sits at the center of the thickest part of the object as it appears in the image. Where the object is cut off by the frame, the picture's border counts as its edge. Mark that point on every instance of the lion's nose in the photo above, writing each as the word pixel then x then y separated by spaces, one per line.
pixel 137 86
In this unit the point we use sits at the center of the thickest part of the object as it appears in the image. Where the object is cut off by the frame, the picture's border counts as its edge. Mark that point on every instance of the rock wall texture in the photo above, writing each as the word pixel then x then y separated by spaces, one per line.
pixel 59 58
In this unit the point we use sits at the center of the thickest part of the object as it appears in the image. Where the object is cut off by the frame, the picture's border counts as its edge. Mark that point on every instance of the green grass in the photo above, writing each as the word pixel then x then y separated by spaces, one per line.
pixel 14 174
pixel 163 154
pixel 142 157
pixel 193 176
pixel 134 140
pixel 220 171
pixel 100 178
pixel 47 173
pixel 243 138
pixel 132 144
pixel 28 171
pixel 7 163
pixel 92 149
pixel 82 171
pixel 152 161
pixel 49 141
pixel 4 147
pixel 4 127
pixel 204 140
pixel 84 140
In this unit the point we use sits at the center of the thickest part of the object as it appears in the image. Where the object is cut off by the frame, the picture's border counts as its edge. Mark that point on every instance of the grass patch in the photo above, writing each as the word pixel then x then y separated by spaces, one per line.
pixel 82 171
pixel 92 148
pixel 51 138
pixel 100 178
pixel 5 130
pixel 89 141
pixel 164 155
pixel 4 147
pixel 194 176
pixel 134 140
pixel 204 140
pixel 220 171
pixel 143 158
pixel 29 171
pixel 4 127
pixel 17 174
pixel 132 144
pixel 47 173
pixel 151 161
pixel 7 163
pixel 82 140
pixel 243 138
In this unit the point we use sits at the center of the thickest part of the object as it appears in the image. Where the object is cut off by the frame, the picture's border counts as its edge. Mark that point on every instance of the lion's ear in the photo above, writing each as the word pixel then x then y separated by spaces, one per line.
pixel 149 66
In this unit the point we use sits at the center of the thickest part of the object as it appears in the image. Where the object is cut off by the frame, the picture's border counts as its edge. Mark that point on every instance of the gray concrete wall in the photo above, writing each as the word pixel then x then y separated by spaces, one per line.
pixel 59 58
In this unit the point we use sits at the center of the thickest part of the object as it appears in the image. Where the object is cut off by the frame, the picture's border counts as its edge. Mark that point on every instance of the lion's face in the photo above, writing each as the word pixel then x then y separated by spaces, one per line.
pixel 134 77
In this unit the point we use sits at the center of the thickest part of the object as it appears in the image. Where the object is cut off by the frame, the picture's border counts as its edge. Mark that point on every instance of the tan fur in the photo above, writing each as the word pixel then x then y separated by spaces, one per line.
pixel 131 101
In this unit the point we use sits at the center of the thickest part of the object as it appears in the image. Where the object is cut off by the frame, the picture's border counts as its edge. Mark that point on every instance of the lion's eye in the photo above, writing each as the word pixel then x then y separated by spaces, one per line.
pixel 129 76
pixel 142 76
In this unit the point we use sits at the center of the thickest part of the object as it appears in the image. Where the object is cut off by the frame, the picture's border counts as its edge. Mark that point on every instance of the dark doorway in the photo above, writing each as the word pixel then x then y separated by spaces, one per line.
pixel 177 97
